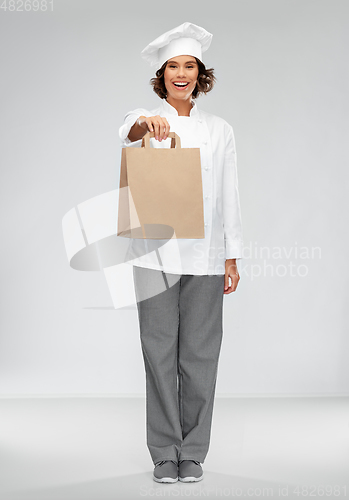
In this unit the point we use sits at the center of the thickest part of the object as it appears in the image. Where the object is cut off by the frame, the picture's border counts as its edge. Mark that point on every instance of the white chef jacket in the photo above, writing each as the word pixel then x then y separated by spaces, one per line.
pixel 222 215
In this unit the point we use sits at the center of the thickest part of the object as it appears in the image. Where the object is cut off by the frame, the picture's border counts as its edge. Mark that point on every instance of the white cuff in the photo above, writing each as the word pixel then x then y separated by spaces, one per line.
pixel 129 121
pixel 233 249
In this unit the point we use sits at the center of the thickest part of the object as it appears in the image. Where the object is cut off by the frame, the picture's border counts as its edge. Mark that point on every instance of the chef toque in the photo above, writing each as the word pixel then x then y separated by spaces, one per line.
pixel 187 39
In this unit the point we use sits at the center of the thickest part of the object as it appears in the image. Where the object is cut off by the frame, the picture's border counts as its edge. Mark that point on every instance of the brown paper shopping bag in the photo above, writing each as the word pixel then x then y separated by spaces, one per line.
pixel 161 186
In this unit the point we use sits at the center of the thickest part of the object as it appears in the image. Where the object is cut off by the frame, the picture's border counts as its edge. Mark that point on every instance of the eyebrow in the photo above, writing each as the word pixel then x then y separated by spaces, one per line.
pixel 175 62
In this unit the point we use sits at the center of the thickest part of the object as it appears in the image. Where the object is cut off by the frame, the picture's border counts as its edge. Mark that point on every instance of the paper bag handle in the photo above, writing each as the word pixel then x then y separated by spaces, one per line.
pixel 175 139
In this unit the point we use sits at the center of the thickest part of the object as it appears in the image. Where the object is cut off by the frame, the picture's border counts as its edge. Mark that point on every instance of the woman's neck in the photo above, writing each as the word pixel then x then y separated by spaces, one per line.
pixel 183 107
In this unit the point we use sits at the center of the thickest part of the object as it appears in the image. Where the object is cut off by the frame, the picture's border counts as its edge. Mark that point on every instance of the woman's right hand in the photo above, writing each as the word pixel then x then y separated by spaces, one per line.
pixel 156 124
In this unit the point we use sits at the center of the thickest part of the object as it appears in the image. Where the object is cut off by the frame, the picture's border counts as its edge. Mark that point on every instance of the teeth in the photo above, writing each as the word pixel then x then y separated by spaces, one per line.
pixel 181 84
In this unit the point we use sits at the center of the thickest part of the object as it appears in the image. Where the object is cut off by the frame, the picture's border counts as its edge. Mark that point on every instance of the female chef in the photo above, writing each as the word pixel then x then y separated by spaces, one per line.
pixel 181 327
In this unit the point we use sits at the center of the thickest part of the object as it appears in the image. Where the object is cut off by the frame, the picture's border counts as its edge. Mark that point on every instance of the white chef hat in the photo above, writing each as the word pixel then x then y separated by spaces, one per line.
pixel 187 39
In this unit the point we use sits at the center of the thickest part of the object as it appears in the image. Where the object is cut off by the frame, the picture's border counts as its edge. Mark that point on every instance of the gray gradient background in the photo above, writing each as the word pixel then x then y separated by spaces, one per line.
pixel 68 78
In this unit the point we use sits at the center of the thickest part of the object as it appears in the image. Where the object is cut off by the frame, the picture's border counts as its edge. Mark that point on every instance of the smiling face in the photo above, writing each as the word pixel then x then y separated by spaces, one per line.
pixel 180 76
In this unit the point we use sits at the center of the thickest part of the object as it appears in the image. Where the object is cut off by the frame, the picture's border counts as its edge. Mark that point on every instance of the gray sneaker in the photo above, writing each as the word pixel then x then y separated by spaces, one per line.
pixel 189 471
pixel 166 471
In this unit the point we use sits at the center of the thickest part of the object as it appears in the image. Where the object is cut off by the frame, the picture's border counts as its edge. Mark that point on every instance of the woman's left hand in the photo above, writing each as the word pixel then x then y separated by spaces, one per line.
pixel 232 271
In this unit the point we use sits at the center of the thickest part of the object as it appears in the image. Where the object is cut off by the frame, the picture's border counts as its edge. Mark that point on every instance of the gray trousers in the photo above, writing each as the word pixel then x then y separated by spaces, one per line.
pixel 181 331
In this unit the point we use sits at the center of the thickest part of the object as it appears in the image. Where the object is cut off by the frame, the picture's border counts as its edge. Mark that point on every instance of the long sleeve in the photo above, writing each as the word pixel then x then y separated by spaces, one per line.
pixel 129 121
pixel 232 224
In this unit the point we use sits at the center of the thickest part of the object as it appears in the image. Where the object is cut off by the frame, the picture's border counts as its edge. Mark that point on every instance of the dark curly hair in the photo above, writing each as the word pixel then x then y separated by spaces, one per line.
pixel 204 84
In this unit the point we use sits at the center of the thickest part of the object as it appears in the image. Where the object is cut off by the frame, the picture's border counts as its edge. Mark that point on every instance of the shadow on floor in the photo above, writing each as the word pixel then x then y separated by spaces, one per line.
pixel 143 486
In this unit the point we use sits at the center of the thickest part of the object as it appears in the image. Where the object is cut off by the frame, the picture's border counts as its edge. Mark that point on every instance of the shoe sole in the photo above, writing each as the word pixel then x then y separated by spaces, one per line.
pixel 190 479
pixel 165 479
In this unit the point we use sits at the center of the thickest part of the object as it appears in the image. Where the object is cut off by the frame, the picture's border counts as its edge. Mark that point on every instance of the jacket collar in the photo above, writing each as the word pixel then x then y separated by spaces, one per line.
pixel 172 111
